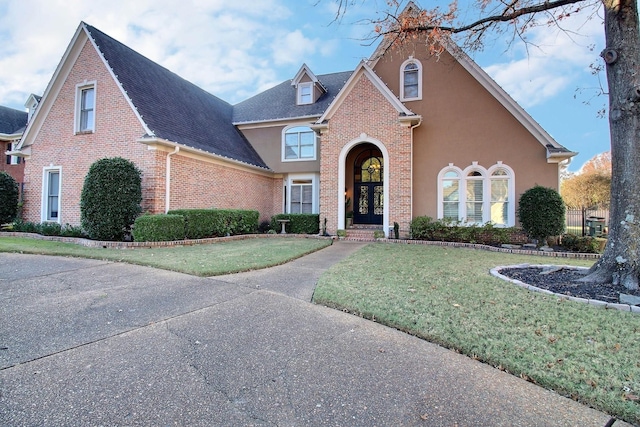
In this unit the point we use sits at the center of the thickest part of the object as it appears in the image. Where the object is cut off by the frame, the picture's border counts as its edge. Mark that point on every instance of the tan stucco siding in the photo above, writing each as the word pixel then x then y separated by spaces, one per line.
pixel 463 123
pixel 267 141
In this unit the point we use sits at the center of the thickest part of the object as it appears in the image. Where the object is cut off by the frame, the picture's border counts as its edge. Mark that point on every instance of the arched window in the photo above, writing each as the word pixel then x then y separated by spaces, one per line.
pixel 298 143
pixel 411 80
pixel 489 195
pixel 475 197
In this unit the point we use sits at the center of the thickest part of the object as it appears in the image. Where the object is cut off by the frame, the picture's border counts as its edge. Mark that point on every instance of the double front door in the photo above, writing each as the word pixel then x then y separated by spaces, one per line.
pixel 368 188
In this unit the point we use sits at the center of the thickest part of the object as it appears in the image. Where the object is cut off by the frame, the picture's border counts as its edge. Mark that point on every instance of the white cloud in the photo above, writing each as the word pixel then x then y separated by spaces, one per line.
pixel 554 60
pixel 292 46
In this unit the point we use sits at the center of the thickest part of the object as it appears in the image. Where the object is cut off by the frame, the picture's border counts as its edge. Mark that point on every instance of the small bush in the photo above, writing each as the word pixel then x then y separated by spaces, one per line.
pixel 341 233
pixel 396 230
pixel 425 228
pixel 378 234
pixel 26 227
pixel 203 223
pixel 586 244
pixel 71 231
pixel 298 223
pixel 264 227
pixel 8 198
pixel 542 213
pixel 110 200
pixel 50 229
pixel 159 228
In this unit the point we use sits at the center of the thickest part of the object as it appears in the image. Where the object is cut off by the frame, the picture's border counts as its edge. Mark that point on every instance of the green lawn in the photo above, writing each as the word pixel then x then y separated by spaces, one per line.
pixel 446 295
pixel 200 260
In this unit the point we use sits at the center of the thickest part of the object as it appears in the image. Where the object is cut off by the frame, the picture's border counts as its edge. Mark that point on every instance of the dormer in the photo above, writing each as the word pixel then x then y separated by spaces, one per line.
pixel 308 87
pixel 31 105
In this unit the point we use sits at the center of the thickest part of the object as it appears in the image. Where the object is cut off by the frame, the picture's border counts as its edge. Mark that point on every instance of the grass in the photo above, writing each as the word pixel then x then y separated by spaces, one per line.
pixel 200 260
pixel 446 296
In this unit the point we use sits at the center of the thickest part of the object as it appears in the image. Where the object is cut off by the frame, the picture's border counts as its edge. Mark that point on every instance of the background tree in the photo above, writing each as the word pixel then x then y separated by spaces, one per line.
pixel 621 259
pixel 8 198
pixel 110 200
pixel 590 188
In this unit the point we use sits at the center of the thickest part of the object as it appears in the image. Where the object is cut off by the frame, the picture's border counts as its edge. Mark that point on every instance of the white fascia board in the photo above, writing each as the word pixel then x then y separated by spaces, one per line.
pixel 9 137
pixel 273 122
pixel 364 69
pixel 154 143
pixel 115 79
pixel 55 84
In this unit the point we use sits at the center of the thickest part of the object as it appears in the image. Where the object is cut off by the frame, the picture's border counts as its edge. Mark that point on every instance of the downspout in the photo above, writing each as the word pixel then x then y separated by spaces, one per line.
pixel 411 167
pixel 167 191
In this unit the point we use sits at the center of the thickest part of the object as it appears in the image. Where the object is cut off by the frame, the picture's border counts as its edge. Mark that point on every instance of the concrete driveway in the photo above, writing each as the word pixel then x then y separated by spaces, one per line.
pixel 92 343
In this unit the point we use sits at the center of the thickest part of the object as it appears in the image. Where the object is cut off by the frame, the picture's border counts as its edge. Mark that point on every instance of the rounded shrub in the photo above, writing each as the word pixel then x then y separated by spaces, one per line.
pixel 8 198
pixel 110 200
pixel 542 213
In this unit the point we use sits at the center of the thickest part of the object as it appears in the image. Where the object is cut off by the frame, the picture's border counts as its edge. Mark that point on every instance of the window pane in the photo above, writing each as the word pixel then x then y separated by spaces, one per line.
pixel 499 213
pixel 53 191
pixel 451 210
pixel 450 191
pixel 451 174
pixel 499 190
pixel 474 212
pixel 307 140
pixel 291 146
pixel 87 102
pixel 474 190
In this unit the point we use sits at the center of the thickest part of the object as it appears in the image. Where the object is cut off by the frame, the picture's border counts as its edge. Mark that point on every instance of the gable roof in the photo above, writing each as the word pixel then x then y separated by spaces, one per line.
pixel 555 151
pixel 361 70
pixel 279 102
pixel 171 107
pixel 12 122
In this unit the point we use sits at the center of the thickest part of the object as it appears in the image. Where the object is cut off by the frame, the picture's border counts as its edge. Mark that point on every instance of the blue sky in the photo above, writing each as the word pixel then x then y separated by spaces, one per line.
pixel 237 48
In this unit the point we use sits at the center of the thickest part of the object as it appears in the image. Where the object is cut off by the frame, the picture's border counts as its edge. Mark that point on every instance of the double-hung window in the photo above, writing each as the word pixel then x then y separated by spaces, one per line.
pixel 305 93
pixel 299 143
pixel 51 194
pixel 85 116
pixel 301 196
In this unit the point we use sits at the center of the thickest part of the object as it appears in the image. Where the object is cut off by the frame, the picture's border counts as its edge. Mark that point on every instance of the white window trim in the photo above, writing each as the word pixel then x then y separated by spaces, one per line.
pixel 411 60
pixel 315 198
pixel 14 160
pixel 78 105
pixel 45 196
pixel 299 93
pixel 305 159
pixel 462 189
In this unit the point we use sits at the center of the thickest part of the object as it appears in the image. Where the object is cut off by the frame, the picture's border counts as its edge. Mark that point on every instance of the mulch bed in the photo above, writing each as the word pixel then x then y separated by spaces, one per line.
pixel 565 282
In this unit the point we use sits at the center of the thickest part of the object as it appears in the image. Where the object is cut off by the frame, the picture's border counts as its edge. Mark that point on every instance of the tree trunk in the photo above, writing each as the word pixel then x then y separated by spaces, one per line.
pixel 620 262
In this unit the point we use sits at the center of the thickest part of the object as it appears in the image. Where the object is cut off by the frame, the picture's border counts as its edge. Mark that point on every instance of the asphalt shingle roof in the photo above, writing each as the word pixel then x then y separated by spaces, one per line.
pixel 173 108
pixel 279 102
pixel 12 121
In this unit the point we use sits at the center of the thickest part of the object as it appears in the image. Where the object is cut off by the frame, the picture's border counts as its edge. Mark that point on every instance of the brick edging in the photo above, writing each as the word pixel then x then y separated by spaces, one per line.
pixel 132 245
pixel 597 303
pixel 576 255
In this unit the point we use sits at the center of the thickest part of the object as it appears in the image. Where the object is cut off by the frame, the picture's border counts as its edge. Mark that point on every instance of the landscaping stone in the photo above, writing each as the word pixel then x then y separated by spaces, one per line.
pixel 509 246
pixel 629 299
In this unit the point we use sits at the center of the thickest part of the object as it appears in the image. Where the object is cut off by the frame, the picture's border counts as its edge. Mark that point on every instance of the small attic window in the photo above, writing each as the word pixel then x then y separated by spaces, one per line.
pixel 305 93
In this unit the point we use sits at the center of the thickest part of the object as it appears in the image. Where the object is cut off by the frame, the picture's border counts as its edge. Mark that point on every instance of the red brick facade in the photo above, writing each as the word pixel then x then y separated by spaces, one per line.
pixel 194 183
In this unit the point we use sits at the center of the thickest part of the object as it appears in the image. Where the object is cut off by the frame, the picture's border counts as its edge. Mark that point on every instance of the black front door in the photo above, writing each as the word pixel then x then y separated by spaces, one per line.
pixel 368 188
pixel 369 203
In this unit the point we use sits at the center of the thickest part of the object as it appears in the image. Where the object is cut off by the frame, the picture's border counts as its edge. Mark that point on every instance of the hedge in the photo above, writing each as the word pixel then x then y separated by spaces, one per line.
pixel 586 244
pixel 159 228
pixel 202 223
pixel 425 228
pixel 298 223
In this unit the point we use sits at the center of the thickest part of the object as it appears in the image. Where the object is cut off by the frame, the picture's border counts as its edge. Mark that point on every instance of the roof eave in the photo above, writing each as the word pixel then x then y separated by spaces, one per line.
pixel 560 156
pixel 154 143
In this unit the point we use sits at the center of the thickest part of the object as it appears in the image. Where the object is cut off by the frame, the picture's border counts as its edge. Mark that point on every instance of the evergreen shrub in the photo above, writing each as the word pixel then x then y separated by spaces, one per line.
pixel 298 223
pixel 542 213
pixel 8 198
pixel 159 228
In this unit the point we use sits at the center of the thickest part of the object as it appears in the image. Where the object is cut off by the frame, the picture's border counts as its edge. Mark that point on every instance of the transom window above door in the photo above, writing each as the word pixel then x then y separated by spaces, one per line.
pixel 298 143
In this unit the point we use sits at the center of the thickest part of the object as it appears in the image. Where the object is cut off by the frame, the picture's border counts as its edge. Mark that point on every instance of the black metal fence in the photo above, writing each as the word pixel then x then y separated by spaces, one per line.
pixel 577 220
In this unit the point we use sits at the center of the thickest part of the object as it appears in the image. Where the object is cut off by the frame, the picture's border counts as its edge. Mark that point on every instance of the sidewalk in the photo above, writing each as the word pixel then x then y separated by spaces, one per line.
pixel 87 342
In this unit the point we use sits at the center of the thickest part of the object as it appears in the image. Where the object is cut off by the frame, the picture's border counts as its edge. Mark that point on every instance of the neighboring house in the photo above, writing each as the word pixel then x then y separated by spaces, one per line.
pixel 12 125
pixel 405 134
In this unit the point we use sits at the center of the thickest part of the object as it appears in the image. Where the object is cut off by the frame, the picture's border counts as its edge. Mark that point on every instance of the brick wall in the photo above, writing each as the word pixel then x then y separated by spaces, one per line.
pixel 195 183
pixel 366 110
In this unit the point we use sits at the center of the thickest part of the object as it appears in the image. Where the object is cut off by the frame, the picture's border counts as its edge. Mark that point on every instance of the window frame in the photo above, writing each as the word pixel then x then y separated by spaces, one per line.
pixel 11 159
pixel 80 108
pixel 283 155
pixel 403 72
pixel 309 180
pixel 299 97
pixel 45 205
pixel 486 178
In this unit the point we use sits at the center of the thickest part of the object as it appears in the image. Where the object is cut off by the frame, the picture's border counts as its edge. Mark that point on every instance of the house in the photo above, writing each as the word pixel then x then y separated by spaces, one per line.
pixel 405 134
pixel 12 125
